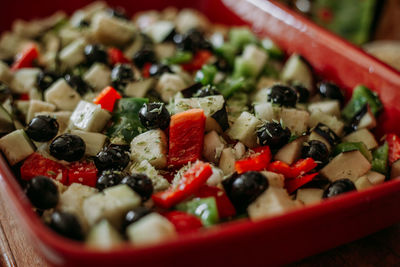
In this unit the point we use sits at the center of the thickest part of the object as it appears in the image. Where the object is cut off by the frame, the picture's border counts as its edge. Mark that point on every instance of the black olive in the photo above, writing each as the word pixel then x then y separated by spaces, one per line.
pixel 206 91
pixel 83 24
pixel 302 93
pixel 117 13
pixel 158 69
pixel 282 95
pixel 67 225
pixel 134 215
pixel 139 183
pixel 243 189
pixel 221 116
pixel 68 147
pixel 339 187
pixel 273 135
pixel 170 36
pixel 192 40
pixel 112 157
pixel 327 133
pixel 95 53
pixel 315 149
pixel 108 178
pixel 223 65
pixel 144 56
pixel 77 83
pixel 353 125
pixel 154 115
pixel 42 192
pixel 121 75
pixel 5 92
pixel 191 90
pixel 42 128
pixel 330 90
pixel 45 79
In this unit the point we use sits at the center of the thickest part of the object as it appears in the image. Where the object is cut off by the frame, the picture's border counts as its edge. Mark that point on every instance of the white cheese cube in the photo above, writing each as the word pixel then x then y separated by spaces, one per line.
pixel 265 111
pixel 240 150
pixel 216 177
pixel 16 146
pixel 291 152
pixel 151 229
pixel 272 202
pixel 274 179
pixel 112 31
pixel 294 119
pixel 227 161
pixel 24 80
pixel 332 122
pixel 89 117
pixel 159 182
pixel 103 236
pixel 375 178
pixel 36 106
pixel 150 146
pixel 98 76
pixel 257 56
pixel 363 183
pixel 309 195
pixel 189 19
pixel 159 30
pixel 5 73
pixel 62 95
pixel 362 135
pixel 168 85
pixel 94 141
pixel 164 50
pixel 139 88
pixel 72 54
pixel 244 129
pixel 330 107
pixel 213 146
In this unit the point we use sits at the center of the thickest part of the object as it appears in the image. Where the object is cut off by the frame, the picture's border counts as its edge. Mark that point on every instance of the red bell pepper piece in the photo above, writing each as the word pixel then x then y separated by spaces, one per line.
pixel 83 173
pixel 191 181
pixel 255 162
pixel 26 57
pixel 107 98
pixel 24 97
pixel 297 169
pixel 292 185
pixel 146 70
pixel 36 165
pixel 224 205
pixel 116 56
pixel 186 137
pixel 394 147
pixel 183 221
pixel 199 59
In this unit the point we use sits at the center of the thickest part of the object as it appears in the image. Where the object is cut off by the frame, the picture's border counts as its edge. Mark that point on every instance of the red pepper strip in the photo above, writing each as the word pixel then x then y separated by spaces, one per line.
pixel 26 57
pixel 255 162
pixel 83 173
pixel 298 168
pixel 24 96
pixel 116 56
pixel 183 221
pixel 224 205
pixel 36 165
pixel 394 147
pixel 292 185
pixel 186 137
pixel 199 59
pixel 146 70
pixel 107 98
pixel 191 181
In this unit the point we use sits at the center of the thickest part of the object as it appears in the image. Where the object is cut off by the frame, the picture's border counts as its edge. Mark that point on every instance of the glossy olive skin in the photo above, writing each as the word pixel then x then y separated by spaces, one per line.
pixel 146 55
pixel 134 215
pixel 192 40
pixel 243 189
pixel 339 187
pixel 68 147
pixel 42 128
pixel 330 90
pixel 77 83
pixel 45 79
pixel 206 91
pixel 42 192
pixel 315 149
pixel 282 95
pixel 154 115
pixel 112 157
pixel 302 93
pixel 67 225
pixel 159 69
pixel 108 178
pixel 273 135
pixel 95 53
pixel 121 75
pixel 140 183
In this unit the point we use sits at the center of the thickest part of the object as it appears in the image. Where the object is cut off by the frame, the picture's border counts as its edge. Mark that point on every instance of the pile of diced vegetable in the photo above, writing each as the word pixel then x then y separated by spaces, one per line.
pixel 164 124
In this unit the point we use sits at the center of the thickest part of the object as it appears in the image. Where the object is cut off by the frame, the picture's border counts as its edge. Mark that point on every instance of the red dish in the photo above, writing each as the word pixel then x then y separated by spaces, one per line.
pixel 273 241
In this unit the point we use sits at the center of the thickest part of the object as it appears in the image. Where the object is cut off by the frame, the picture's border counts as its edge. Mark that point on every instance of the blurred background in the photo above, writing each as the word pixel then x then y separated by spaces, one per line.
pixel 373 24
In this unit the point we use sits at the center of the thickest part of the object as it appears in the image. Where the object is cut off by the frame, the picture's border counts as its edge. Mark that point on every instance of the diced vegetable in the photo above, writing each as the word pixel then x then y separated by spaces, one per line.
pixel 26 57
pixel 116 56
pixel 292 185
pixel 103 235
pixel 350 146
pixel 206 74
pixel 204 208
pixel 380 159
pixel 272 49
pixel 180 57
pixel 393 142
pixel 191 181
pixel 224 205
pixel 199 59
pixel 107 98
pixel 255 162
pixel 83 173
pixel 240 36
pixel 297 169
pixel 16 146
pixel 183 222
pixel 89 117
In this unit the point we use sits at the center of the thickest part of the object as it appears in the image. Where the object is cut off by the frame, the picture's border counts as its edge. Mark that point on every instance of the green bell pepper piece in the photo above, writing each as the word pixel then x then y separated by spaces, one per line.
pixel 380 158
pixel 241 36
pixel 203 208
pixel 361 96
pixel 350 146
pixel 206 74
pixel 227 51
pixel 272 49
pixel 180 57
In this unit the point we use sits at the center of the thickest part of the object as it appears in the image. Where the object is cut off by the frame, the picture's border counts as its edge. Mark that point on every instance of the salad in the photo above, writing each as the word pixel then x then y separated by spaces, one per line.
pixel 146 128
